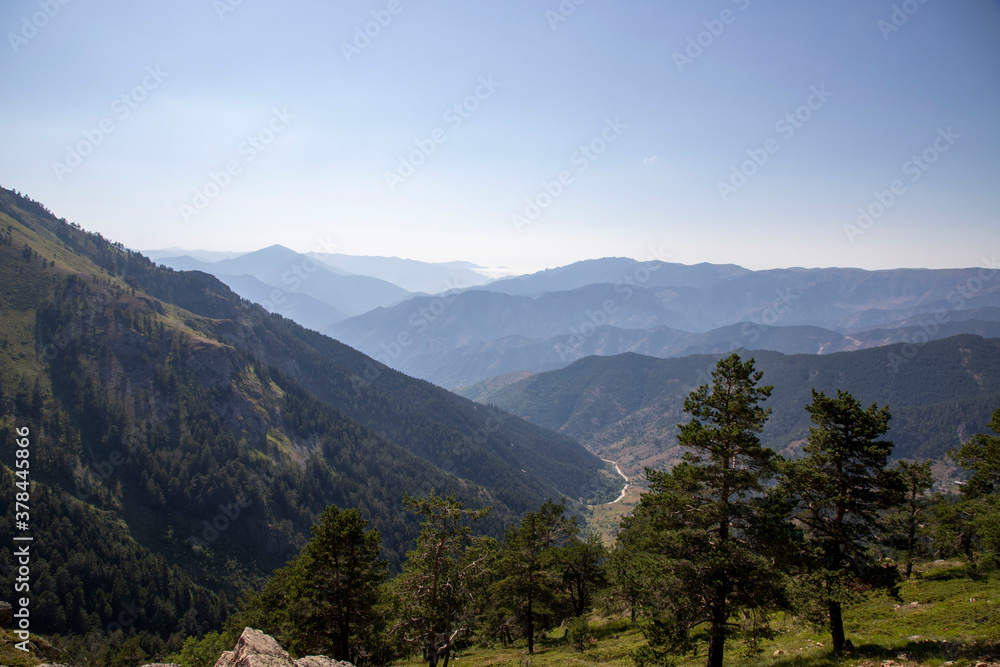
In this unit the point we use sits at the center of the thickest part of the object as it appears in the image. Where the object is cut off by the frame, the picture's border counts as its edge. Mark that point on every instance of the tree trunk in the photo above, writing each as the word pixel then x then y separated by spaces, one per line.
pixel 717 637
pixel 911 543
pixel 836 627
pixel 531 629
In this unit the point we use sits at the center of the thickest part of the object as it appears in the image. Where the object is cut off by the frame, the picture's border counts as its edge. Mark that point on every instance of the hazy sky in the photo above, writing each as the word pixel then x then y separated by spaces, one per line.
pixel 526 133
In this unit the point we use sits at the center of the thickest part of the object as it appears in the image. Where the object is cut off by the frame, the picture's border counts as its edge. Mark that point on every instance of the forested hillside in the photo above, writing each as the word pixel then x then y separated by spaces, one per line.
pixel 184 440
pixel 627 407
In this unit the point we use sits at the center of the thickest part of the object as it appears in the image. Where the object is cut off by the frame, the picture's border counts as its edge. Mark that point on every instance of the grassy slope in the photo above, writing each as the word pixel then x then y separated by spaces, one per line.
pixel 956 620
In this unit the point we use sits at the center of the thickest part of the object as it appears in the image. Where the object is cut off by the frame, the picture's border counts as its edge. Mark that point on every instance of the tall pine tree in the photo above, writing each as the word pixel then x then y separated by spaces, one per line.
pixel 530 591
pixel 978 513
pixel 702 521
pixel 435 592
pixel 841 489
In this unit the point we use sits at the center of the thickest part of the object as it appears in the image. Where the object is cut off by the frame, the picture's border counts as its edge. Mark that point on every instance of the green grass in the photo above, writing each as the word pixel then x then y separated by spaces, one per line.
pixel 956 620
pixel 605 519
pixel 41 651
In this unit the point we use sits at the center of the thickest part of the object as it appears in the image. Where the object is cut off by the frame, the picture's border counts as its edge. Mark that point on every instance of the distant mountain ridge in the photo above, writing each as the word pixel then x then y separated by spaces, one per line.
pixel 618 271
pixel 291 273
pixel 552 318
pixel 411 275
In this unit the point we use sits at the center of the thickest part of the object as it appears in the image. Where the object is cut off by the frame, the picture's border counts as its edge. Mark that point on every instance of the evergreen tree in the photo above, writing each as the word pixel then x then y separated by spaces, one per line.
pixel 584 570
pixel 702 521
pixel 529 590
pixel 978 513
pixel 841 488
pixel 334 588
pixel 435 591
pixel 905 523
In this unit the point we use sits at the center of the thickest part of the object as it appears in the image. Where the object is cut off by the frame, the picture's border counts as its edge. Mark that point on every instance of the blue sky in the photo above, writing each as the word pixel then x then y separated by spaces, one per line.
pixel 232 125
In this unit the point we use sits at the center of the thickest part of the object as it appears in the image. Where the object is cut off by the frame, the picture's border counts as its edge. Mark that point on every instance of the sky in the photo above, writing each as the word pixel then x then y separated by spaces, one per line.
pixel 524 133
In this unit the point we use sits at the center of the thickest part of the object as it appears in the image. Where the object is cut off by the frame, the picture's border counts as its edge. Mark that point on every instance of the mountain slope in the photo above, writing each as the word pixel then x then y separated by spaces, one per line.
pixel 301 308
pixel 626 407
pixel 196 431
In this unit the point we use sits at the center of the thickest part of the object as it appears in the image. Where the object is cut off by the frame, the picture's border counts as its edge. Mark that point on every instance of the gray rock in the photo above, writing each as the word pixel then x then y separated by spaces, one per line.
pixel 320 661
pixel 255 649
pixel 6 614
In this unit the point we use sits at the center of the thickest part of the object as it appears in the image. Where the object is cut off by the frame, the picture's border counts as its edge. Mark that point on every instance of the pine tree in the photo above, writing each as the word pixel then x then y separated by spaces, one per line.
pixel 906 522
pixel 701 521
pixel 841 488
pixel 435 591
pixel 978 520
pixel 529 589
pixel 583 564
pixel 334 587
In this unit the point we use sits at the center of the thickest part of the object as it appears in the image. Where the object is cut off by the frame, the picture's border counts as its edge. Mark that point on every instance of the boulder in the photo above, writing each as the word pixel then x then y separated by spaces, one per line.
pixel 6 614
pixel 320 661
pixel 255 649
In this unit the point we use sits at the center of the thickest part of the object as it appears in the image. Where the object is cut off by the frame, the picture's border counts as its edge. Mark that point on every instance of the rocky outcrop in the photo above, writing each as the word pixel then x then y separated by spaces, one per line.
pixel 6 614
pixel 320 661
pixel 255 649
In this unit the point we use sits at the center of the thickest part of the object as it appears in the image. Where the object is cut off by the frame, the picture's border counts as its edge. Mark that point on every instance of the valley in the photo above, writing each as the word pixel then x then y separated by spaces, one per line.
pixel 195 424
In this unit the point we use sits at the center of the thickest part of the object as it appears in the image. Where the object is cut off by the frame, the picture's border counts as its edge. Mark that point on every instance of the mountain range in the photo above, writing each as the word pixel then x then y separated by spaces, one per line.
pixel 449 324
pixel 547 320
pixel 184 440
